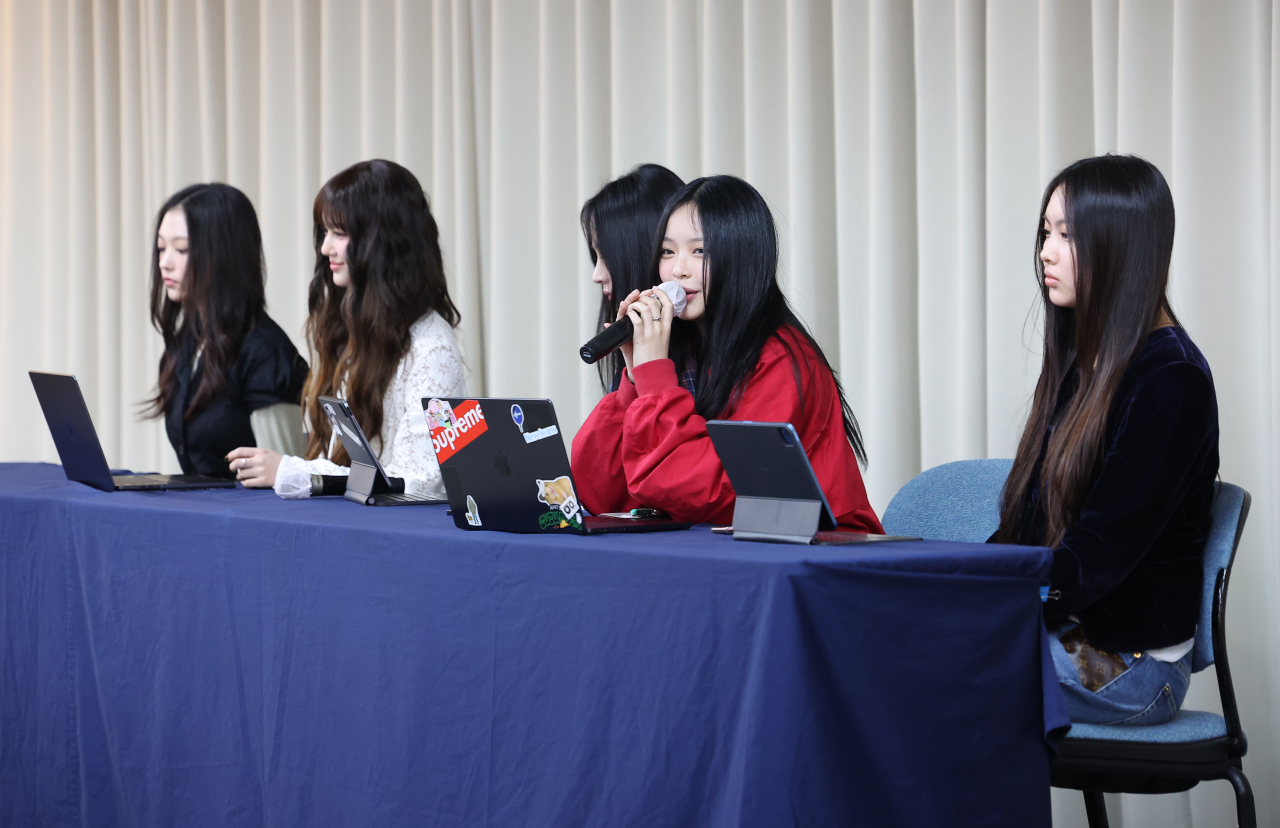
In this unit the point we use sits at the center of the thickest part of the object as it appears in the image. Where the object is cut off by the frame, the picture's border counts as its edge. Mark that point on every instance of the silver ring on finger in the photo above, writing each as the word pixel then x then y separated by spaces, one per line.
pixel 657 319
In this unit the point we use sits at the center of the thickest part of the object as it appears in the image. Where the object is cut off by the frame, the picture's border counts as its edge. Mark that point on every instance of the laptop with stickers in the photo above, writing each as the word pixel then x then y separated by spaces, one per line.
pixel 505 468
pixel 368 483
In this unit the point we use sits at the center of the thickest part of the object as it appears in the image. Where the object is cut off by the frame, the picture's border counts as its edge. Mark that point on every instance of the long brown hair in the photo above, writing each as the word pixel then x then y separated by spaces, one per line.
pixel 359 334
pixel 1120 217
pixel 223 293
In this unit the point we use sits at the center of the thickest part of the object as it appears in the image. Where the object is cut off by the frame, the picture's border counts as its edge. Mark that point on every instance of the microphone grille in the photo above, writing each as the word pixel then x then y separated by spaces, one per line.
pixel 676 294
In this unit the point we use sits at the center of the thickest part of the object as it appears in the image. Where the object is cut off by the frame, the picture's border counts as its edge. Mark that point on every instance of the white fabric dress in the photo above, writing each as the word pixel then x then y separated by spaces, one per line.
pixel 431 368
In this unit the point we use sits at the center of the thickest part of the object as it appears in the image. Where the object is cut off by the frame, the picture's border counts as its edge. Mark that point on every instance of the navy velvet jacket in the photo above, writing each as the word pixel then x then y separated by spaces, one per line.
pixel 1131 569
pixel 267 370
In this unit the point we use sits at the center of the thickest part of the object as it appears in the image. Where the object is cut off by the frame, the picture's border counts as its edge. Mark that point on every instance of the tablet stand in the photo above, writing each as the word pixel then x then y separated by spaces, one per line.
pixel 366 481
pixel 776 520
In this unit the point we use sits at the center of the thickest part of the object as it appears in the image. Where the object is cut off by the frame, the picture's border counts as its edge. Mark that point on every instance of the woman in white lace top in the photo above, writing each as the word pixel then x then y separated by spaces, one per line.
pixel 381 332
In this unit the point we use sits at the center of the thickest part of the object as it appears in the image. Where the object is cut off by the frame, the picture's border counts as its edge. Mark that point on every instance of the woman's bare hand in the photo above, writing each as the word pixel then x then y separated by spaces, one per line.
pixel 255 467
pixel 651 313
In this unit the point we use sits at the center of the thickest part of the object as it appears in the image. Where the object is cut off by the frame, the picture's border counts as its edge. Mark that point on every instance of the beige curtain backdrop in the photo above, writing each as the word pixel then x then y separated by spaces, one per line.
pixel 902 146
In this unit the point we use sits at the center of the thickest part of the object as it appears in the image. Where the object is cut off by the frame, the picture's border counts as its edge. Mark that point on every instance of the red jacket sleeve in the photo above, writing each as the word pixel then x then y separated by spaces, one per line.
pixel 670 463
pixel 597 454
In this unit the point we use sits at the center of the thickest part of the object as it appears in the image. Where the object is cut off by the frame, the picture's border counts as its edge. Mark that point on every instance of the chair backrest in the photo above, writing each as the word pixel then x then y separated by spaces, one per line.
pixel 1230 510
pixel 955 501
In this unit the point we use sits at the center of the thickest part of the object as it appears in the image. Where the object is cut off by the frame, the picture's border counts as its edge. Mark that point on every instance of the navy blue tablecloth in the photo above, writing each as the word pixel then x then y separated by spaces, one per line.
pixel 225 658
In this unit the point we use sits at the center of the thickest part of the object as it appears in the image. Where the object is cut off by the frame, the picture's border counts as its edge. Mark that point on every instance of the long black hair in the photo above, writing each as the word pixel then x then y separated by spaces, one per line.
pixel 745 307
pixel 361 332
pixel 223 290
pixel 1119 214
pixel 619 223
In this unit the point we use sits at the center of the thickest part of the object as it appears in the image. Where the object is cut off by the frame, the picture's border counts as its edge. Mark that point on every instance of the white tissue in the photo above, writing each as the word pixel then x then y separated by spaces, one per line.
pixel 676 293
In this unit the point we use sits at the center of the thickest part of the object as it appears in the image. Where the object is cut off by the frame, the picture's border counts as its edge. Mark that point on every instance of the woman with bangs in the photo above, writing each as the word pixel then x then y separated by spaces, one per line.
pixel 380 329
pixel 1115 470
pixel 736 352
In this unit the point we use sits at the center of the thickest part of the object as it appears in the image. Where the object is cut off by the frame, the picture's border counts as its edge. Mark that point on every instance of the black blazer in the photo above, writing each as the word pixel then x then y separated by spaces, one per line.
pixel 1131 569
pixel 267 370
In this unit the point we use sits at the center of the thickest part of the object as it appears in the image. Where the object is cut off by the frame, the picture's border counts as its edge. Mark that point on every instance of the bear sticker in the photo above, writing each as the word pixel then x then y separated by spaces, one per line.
pixel 558 494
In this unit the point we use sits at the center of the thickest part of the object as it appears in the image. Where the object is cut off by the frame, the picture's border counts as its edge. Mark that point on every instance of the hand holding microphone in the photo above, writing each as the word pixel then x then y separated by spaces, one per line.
pixel 644 309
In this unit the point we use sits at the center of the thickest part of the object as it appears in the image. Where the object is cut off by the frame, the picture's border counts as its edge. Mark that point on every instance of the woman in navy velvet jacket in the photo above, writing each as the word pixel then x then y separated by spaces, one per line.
pixel 1116 466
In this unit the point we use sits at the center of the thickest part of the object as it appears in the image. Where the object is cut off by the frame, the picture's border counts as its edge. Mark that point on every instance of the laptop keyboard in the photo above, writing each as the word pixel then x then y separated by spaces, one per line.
pixel 141 481
pixel 407 498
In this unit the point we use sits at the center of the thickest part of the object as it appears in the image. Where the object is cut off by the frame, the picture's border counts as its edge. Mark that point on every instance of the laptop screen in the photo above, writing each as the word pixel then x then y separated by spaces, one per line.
pixel 505 460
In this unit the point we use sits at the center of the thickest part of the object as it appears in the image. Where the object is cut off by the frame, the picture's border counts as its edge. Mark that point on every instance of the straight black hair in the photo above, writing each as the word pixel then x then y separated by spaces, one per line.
pixel 1120 217
pixel 745 306
pixel 619 224
pixel 224 292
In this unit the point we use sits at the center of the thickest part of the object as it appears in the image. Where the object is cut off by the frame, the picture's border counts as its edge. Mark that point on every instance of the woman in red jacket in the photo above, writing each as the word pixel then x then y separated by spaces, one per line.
pixel 736 352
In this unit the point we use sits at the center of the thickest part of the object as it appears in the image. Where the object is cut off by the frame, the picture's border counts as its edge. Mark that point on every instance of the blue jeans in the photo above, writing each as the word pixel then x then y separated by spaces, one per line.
pixel 1148 693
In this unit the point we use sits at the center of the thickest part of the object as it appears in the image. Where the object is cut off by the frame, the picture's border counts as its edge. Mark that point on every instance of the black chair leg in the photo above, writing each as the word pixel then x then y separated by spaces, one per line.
pixel 1095 807
pixel 1246 817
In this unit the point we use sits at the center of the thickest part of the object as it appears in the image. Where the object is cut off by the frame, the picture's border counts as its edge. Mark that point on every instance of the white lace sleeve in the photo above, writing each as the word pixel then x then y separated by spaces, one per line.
pixel 432 368
pixel 293 477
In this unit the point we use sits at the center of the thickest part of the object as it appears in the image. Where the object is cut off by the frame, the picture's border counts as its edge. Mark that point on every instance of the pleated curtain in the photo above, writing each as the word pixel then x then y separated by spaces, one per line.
pixel 903 147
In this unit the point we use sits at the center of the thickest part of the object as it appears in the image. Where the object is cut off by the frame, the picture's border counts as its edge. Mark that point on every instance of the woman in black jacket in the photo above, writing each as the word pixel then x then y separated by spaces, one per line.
pixel 229 375
pixel 1116 466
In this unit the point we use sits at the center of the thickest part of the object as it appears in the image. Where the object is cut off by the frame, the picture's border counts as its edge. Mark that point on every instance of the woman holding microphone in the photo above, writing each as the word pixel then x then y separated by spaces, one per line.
pixel 619 223
pixel 737 351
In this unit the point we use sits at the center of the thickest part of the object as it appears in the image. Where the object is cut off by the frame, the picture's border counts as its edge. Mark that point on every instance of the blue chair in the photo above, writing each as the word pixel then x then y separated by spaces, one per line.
pixel 955 501
pixel 959 501
pixel 1195 747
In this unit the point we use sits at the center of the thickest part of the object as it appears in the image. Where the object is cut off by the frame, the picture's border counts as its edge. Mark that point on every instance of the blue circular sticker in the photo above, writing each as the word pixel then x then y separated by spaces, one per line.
pixel 518 416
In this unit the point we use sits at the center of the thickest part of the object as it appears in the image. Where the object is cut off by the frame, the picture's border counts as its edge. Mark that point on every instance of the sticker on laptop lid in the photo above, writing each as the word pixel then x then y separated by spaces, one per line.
pixel 440 414
pixel 453 429
pixel 517 415
pixel 473 513
pixel 558 494
pixel 540 434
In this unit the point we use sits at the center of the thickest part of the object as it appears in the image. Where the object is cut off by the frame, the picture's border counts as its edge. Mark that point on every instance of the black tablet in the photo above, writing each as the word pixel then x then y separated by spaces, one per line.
pixel 779 497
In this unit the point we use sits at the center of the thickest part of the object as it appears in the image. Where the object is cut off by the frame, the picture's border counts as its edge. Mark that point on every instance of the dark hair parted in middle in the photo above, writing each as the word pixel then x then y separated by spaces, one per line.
pixel 620 223
pixel 1119 215
pixel 359 334
pixel 745 306
pixel 224 292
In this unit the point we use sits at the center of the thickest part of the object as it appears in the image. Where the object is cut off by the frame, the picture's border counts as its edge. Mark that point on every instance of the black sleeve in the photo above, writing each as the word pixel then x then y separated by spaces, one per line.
pixel 1148 470
pixel 274 372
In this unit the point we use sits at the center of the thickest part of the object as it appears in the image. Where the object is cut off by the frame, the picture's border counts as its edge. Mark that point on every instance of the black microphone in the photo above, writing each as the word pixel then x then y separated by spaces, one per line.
pixel 612 337
pixel 607 341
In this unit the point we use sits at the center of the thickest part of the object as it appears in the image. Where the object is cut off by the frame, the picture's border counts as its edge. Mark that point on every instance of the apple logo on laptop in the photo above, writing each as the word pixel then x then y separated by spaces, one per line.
pixel 500 463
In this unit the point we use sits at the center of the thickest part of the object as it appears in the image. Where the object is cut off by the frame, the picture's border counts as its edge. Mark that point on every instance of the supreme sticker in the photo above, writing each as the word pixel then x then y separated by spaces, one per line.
pixel 453 431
